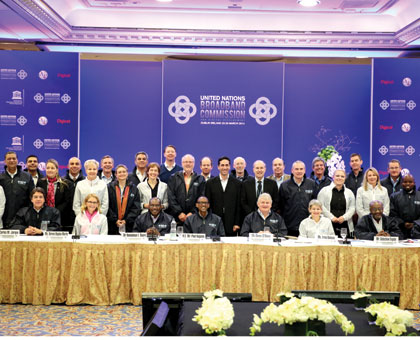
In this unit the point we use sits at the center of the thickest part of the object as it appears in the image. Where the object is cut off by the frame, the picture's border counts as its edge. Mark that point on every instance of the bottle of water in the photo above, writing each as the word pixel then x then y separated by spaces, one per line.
pixel 173 231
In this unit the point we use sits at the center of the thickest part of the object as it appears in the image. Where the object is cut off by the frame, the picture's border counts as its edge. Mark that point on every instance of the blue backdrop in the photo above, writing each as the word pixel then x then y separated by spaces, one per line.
pixel 39 105
pixel 326 104
pixel 215 108
pixel 396 121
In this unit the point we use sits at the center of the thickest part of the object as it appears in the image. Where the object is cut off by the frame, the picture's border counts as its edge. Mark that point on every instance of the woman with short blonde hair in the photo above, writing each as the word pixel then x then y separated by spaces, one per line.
pixel 90 220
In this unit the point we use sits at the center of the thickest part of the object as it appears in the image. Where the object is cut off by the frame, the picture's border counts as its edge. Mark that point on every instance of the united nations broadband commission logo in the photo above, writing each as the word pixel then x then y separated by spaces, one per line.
pixel 397 150
pixel 182 109
pixel 263 111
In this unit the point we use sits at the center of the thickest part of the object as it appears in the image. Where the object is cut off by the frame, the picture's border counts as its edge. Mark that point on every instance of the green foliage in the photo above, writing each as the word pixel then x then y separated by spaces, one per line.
pixel 327 152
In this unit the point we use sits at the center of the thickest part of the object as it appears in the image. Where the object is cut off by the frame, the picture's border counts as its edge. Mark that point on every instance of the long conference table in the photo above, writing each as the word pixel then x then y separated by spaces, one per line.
pixel 106 270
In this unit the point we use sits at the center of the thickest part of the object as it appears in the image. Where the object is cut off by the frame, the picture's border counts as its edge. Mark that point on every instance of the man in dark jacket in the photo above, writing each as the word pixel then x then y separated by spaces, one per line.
pixel 204 221
pixel 264 217
pixel 32 168
pixel 74 175
pixel 355 177
pixel 29 220
pixel 184 187
pixel 17 186
pixel 295 195
pixel 239 171
pixel 224 195
pixel 107 173
pixel 155 218
pixel 139 173
pixel 319 174
pixel 393 183
pixel 377 224
pixel 405 206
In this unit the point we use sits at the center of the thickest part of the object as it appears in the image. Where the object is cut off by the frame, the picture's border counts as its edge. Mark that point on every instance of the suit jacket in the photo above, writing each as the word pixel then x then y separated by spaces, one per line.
pixel 249 194
pixel 225 204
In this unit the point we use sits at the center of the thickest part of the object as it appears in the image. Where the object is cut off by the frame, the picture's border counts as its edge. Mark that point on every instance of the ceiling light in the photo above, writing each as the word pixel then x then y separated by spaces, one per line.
pixel 164 0
pixel 308 3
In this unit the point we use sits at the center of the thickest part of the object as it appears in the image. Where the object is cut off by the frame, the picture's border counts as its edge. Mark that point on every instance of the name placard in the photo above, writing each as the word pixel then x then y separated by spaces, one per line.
pixel 9 233
pixel 135 236
pixel 265 237
pixel 194 237
pixel 385 239
pixel 56 235
pixel 327 238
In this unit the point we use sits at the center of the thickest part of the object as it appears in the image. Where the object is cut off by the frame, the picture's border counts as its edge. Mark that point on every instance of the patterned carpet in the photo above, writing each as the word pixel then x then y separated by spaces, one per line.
pixel 59 320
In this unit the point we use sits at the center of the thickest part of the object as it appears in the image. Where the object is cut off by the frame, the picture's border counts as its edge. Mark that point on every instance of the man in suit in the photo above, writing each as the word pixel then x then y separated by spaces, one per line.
pixel 224 195
pixel 139 172
pixel 278 172
pixel 252 188
pixel 206 166
pixel 393 182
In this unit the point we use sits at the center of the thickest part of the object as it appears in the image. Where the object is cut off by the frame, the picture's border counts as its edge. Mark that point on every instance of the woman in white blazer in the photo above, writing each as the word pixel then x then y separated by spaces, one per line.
pixel 152 187
pixel 338 203
pixel 371 190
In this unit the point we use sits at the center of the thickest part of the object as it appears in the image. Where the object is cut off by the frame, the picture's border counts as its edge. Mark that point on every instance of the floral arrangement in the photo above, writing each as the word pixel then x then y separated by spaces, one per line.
pixel 360 295
pixel 301 310
pixel 286 294
pixel 215 314
pixel 333 159
pixel 391 317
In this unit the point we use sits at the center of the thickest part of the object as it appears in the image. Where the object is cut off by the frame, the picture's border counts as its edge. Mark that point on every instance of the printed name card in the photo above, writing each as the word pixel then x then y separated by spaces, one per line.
pixel 9 233
pixel 194 237
pixel 385 240
pixel 56 235
pixel 327 238
pixel 135 236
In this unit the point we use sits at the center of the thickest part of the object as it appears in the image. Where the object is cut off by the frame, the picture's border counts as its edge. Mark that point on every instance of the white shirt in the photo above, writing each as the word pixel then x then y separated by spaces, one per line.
pixel 364 197
pixel 310 229
pixel 169 167
pixel 224 182
pixel 140 176
pixel 378 225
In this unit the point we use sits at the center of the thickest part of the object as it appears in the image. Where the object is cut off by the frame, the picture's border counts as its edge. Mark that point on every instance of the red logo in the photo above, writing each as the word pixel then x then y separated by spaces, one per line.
pixel 63 166
pixel 384 127
pixel 381 172
pixel 387 82
pixel 63 75
pixel 63 121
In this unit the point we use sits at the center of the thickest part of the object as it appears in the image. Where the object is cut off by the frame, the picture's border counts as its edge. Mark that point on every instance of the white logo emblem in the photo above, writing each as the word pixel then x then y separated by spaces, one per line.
pixel 22 120
pixel 38 143
pixel 38 97
pixel 406 127
pixel 16 95
pixel 383 150
pixel 16 141
pixel 410 150
pixel 42 166
pixel 182 109
pixel 384 104
pixel 43 74
pixel 404 172
pixel 42 120
pixel 263 111
pixel 65 98
pixel 22 74
pixel 406 82
pixel 411 105
pixel 65 144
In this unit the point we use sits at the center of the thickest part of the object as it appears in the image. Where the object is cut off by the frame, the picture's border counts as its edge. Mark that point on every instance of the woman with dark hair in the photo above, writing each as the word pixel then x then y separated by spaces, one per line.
pixel 124 203
pixel 153 187
pixel 37 218
pixel 58 192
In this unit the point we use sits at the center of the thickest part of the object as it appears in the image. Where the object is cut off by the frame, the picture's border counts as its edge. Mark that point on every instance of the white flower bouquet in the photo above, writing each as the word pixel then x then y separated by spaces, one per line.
pixel 394 319
pixel 360 299
pixel 215 314
pixel 360 295
pixel 301 310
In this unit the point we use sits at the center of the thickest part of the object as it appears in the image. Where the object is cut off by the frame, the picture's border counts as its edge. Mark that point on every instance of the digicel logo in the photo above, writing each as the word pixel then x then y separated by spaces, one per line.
pixel 63 121
pixel 384 127
pixel 381 172
pixel 63 75
pixel 387 82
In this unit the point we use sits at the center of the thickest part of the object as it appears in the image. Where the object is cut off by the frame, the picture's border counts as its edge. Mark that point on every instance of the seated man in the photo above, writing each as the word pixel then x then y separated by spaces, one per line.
pixel 264 217
pixel 377 224
pixel 154 219
pixel 29 219
pixel 204 221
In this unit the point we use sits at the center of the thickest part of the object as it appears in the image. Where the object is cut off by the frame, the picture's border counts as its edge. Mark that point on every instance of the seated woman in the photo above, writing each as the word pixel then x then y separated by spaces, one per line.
pixel 316 224
pixel 30 219
pixel 124 203
pixel 90 220
pixel 371 190
pixel 59 192
pixel 152 187
pixel 92 184
pixel 338 203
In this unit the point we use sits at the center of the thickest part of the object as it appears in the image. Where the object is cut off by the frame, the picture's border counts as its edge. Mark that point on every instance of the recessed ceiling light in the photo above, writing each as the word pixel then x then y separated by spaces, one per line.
pixel 164 0
pixel 308 3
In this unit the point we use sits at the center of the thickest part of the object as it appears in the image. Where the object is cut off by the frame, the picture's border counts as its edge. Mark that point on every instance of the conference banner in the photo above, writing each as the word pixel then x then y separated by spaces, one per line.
pixel 39 105
pixel 395 114
pixel 217 108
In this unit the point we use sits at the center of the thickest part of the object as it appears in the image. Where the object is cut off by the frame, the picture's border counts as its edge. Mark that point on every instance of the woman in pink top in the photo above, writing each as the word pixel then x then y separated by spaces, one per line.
pixel 90 220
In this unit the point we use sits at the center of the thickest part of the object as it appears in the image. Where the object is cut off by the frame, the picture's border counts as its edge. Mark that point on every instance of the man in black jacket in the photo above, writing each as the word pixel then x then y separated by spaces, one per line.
pixel 377 224
pixel 355 177
pixel 139 172
pixel 17 186
pixel 32 168
pixel 239 171
pixel 319 174
pixel 252 188
pixel 295 195
pixel 224 195
pixel 405 206
pixel 155 218
pixel 29 220
pixel 74 175
pixel 393 183
pixel 184 187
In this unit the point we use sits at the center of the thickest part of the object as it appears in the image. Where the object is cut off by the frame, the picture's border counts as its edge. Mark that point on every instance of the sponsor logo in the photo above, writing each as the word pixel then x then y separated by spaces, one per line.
pixel 406 127
pixel 63 121
pixel 410 150
pixel 182 109
pixel 387 82
pixel 7 73
pixel 63 75
pixel 17 144
pixel 38 97
pixel 411 105
pixel 385 127
pixel 7 120
pixel 43 74
pixel 263 111
pixel 405 172
pixel 52 98
pixel 407 82
pixel 42 166
pixel 384 104
pixel 43 120
pixel 397 104
pixel 16 141
pixel 383 150
pixel 65 98
pixel 51 143
pixel 38 143
pixel 17 98
pixel 22 74
pixel 382 172
pixel 65 144
pixel 22 120
pixel 396 150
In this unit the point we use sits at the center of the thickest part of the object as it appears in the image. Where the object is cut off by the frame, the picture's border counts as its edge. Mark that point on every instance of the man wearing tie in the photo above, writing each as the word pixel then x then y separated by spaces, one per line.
pixel 252 188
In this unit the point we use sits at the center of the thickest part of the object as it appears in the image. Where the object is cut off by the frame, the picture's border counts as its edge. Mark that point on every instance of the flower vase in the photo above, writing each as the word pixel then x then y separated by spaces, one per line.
pixel 317 326
pixel 371 319
pixel 361 303
pixel 295 329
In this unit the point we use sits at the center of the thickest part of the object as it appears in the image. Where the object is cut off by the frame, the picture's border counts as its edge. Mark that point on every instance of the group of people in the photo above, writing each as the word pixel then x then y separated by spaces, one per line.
pixel 108 200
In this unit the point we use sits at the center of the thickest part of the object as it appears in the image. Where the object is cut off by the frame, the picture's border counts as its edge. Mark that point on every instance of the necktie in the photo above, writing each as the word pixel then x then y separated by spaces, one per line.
pixel 259 188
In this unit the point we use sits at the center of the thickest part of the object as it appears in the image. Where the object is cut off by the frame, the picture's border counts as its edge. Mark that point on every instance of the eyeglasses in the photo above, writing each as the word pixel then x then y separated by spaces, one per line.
pixel 202 202
pixel 92 202
pixel 154 205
